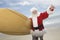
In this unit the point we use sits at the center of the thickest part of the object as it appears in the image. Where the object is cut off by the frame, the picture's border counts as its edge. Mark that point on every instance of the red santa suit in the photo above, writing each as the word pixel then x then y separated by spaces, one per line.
pixel 37 21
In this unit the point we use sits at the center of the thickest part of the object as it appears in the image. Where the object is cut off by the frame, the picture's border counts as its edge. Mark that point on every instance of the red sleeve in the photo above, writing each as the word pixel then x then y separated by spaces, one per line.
pixel 44 15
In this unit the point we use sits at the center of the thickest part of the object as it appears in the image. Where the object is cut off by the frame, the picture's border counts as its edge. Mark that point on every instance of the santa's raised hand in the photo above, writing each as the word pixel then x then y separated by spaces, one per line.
pixel 50 9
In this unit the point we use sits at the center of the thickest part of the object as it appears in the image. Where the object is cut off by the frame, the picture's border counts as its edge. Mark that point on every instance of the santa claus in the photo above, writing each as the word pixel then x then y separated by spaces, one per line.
pixel 37 18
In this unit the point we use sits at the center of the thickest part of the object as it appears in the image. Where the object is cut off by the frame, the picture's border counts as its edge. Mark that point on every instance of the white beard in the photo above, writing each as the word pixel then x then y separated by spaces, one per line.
pixel 33 15
pixel 34 19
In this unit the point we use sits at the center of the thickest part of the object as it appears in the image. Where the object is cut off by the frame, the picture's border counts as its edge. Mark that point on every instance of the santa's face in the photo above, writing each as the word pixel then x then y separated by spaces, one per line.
pixel 34 12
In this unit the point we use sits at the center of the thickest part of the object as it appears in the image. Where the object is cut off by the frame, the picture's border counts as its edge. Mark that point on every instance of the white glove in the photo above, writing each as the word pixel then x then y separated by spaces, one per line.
pixel 50 9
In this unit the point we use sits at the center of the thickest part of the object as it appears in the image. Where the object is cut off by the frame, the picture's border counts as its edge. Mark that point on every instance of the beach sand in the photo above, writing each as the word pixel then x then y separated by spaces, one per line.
pixel 53 33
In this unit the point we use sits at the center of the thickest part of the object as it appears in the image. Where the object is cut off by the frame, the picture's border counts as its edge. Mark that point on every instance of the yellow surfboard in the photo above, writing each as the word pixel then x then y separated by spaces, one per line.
pixel 13 23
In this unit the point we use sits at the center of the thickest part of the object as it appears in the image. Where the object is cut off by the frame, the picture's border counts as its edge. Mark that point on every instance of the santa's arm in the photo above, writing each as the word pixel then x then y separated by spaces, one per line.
pixel 49 11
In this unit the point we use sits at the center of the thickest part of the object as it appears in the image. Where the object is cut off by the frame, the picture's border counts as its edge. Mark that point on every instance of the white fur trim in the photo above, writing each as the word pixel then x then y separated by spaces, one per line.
pixel 38 33
pixel 34 20
pixel 39 13
pixel 32 9
pixel 49 12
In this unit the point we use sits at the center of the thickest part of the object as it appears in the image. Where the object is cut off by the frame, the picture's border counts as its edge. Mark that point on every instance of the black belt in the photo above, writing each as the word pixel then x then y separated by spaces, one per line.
pixel 35 28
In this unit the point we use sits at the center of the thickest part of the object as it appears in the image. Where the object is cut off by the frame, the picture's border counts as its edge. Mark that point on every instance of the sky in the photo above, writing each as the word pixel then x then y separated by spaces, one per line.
pixel 24 6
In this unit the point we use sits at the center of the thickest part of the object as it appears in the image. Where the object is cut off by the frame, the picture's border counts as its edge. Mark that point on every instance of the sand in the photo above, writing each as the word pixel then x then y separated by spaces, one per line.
pixel 53 33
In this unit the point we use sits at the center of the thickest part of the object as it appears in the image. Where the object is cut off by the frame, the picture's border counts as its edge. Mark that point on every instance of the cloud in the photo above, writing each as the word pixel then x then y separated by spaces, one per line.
pixel 25 3
pixel 37 2
pixel 45 2
pixel 33 2
pixel 56 2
